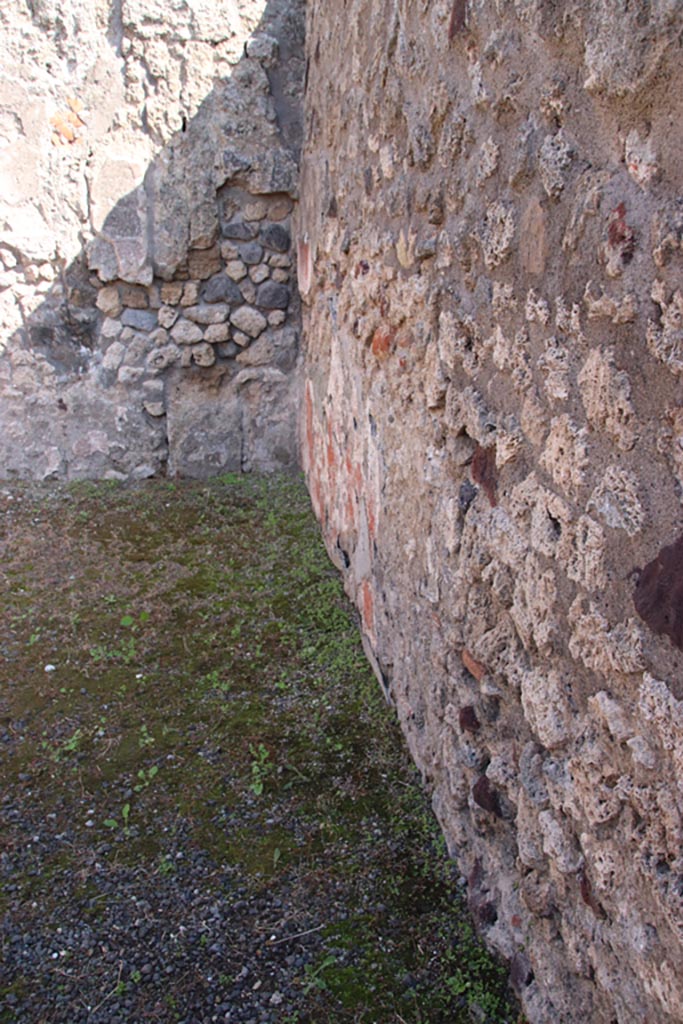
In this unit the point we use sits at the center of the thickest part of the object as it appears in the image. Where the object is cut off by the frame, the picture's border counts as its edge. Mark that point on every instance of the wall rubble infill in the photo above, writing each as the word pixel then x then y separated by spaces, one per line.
pixel 168 342
pixel 489 240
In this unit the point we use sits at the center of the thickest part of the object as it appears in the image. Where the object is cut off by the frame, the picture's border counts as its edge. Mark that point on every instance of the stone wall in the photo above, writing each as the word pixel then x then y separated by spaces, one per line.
pixel 148 164
pixel 490 255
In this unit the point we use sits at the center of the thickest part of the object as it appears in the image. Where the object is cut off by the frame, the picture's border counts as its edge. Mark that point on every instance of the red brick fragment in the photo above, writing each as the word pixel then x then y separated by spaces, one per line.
pixel 474 667
pixel 383 341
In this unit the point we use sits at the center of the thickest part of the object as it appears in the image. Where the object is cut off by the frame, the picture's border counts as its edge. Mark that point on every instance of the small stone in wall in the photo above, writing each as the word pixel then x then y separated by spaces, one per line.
pixel 161 358
pixel 276 317
pixel 497 235
pixel 171 292
pixel 274 236
pixel 154 408
pixel 259 274
pixel 249 321
pixel 203 354
pixel 279 259
pixel 641 159
pixel 484 471
pixel 113 357
pixel 248 291
pixel 240 231
pixel 281 276
pixel 280 209
pixel 263 47
pixel 109 301
pixel 229 251
pixel 167 316
pixel 383 340
pixel 272 295
pixel 255 210
pixel 240 338
pixel 215 333
pixel 190 293
pixel 236 270
pixel 130 374
pixel 134 298
pixel 250 253
pixel 227 349
pixel 615 499
pixel 209 313
pixel 220 288
pixel 204 263
pixel 486 796
pixel 139 319
pixel 185 332
pixel 467 719
pixel 659 593
pixel 555 158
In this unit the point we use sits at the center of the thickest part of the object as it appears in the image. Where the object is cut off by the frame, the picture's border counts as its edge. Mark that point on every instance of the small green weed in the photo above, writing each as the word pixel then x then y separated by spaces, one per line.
pixel 261 767
pixel 313 976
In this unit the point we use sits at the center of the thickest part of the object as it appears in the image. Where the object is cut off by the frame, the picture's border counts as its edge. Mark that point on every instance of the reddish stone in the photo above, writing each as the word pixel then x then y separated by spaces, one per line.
pixel 468 720
pixel 486 797
pixel 383 341
pixel 475 668
pixel 484 471
pixel 620 235
pixel 367 607
pixel 659 593
pixel 458 20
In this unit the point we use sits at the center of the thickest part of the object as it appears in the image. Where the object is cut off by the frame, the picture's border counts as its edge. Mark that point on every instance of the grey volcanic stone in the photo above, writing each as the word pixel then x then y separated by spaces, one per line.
pixel 272 295
pixel 220 288
pixel 240 230
pixel 251 253
pixel 140 319
pixel 274 236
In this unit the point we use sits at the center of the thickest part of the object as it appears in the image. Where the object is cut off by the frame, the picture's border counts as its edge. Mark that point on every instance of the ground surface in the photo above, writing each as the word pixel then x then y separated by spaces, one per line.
pixel 206 811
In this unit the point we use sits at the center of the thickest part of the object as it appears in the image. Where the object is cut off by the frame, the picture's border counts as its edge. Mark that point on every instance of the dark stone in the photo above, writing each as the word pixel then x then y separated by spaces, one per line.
pixel 140 319
pixel 521 972
pixel 484 471
pixel 659 593
pixel 220 288
pixel 234 163
pixel 274 236
pixel 240 231
pixel 227 349
pixel 272 295
pixel 486 797
pixel 250 253
pixel 468 720
pixel 587 894
pixel 458 19
pixel 466 495
pixel 123 221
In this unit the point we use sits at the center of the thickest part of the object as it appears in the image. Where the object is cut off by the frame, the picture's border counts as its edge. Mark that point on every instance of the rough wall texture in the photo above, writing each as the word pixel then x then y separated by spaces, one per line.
pixel 148 166
pixel 490 254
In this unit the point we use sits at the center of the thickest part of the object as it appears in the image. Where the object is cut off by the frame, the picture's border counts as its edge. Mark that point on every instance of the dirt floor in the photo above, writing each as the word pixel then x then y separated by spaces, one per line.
pixel 206 809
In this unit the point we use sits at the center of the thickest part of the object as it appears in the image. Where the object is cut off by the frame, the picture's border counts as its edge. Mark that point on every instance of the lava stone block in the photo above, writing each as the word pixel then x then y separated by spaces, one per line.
pixel 274 236
pixel 272 295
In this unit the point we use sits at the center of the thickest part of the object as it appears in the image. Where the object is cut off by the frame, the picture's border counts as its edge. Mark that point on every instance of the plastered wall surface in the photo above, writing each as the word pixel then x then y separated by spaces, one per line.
pixel 148 169
pixel 490 256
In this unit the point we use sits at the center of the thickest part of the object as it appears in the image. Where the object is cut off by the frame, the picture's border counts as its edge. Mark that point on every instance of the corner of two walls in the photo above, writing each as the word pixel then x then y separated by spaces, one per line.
pixel 490 261
pixel 148 306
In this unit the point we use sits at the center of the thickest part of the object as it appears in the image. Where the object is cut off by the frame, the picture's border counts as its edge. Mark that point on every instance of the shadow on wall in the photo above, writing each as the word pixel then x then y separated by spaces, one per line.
pixel 170 343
